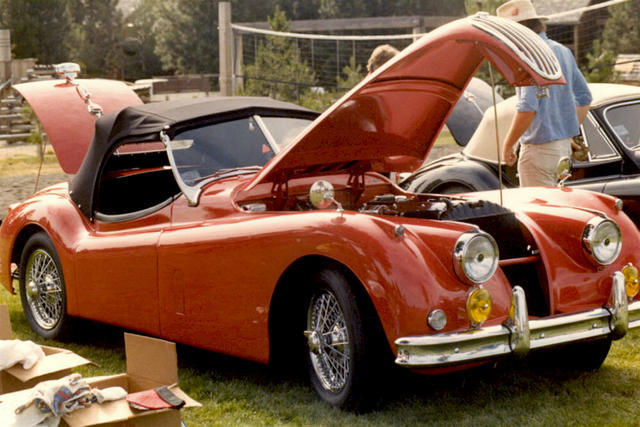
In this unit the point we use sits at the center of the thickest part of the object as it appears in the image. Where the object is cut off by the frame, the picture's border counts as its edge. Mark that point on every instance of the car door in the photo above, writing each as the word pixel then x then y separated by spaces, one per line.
pixel 116 269
pixel 210 296
pixel 117 260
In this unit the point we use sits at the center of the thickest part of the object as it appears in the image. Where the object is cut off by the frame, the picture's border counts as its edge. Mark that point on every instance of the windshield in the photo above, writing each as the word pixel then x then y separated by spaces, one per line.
pixel 202 151
pixel 240 146
pixel 625 124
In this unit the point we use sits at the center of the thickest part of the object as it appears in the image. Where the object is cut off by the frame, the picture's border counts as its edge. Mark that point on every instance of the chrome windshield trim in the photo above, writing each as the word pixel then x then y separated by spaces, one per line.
pixel 518 335
pixel 192 194
pixel 267 134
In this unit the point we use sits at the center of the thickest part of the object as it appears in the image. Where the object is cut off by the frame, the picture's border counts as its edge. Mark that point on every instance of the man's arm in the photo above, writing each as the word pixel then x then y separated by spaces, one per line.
pixel 581 111
pixel 521 121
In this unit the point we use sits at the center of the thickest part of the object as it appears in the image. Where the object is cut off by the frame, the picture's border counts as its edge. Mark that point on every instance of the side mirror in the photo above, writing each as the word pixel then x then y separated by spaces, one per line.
pixel 563 170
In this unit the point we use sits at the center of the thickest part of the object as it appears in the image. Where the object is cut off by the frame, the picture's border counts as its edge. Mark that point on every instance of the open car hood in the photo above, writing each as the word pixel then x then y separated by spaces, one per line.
pixel 64 115
pixel 390 120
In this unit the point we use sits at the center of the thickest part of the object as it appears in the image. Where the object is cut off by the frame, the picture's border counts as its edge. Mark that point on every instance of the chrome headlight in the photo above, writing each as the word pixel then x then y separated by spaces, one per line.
pixel 601 240
pixel 475 257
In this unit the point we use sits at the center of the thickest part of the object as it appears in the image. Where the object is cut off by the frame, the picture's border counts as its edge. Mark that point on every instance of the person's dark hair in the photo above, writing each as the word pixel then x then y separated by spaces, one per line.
pixel 535 25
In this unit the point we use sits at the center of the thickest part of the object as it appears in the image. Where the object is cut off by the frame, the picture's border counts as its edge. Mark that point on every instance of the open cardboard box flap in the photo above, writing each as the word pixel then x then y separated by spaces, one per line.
pixel 57 362
pixel 151 363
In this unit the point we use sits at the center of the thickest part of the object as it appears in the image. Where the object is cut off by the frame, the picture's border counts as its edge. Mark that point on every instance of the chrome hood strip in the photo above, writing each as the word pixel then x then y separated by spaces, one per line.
pixel 522 41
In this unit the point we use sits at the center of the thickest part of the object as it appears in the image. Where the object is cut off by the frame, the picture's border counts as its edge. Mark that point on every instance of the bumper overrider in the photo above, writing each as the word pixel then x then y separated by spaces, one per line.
pixel 518 334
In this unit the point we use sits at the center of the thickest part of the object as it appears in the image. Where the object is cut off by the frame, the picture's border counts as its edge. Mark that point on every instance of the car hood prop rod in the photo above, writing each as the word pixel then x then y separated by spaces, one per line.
pixel 495 126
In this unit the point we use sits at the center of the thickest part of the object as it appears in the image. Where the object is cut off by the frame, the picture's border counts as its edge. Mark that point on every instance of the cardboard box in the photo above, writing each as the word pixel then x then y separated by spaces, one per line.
pixel 151 363
pixel 57 362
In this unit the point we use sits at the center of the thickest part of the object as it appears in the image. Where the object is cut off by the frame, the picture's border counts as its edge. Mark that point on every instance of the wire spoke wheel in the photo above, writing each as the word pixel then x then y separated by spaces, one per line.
pixel 44 289
pixel 328 341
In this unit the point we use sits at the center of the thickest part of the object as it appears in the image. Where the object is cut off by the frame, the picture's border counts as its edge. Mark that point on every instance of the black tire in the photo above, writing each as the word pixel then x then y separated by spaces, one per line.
pixel 42 288
pixel 586 356
pixel 341 337
pixel 453 189
pixel 579 357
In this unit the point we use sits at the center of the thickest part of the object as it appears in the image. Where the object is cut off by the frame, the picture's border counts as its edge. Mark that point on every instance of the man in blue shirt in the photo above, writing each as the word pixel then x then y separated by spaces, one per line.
pixel 544 126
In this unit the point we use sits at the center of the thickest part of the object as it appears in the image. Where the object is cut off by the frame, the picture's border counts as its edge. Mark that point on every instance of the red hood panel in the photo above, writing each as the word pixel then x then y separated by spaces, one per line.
pixel 398 111
pixel 64 116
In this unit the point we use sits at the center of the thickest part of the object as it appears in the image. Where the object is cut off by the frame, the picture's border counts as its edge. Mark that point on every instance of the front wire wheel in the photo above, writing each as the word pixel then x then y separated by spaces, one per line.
pixel 42 288
pixel 340 365
pixel 328 340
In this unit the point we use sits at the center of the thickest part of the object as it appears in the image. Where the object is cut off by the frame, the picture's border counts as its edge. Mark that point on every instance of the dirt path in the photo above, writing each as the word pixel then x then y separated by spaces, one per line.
pixel 17 188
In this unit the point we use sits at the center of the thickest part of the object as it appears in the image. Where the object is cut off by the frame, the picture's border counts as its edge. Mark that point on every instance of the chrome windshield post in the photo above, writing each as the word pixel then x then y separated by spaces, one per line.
pixel 191 193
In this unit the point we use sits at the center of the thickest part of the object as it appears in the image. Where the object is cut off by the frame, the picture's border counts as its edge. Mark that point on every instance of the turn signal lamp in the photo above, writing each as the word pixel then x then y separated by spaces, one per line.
pixel 437 319
pixel 631 284
pixel 479 305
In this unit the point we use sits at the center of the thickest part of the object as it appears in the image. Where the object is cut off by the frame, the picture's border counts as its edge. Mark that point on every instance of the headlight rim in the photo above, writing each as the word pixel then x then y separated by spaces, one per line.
pixel 587 240
pixel 458 256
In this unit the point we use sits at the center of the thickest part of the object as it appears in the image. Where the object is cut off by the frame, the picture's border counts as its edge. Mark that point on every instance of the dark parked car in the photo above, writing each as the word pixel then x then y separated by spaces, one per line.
pixel 611 131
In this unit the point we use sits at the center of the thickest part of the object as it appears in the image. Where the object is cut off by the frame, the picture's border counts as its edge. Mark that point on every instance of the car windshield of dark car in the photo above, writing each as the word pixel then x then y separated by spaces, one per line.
pixel 232 147
pixel 624 120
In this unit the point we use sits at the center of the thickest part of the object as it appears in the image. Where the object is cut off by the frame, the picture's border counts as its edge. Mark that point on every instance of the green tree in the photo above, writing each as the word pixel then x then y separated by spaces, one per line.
pixel 353 74
pixel 186 34
pixel 621 34
pixel 490 6
pixel 138 46
pixel 97 37
pixel 39 28
pixel 278 70
pixel 319 100
pixel 600 63
pixel 364 8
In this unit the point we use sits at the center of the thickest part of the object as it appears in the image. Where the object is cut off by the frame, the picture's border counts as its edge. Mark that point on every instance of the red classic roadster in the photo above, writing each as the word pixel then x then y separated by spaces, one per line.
pixel 249 227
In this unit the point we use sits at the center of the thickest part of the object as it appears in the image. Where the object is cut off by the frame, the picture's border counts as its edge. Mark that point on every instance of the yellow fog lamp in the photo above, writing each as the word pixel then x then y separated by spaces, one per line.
pixel 479 305
pixel 631 284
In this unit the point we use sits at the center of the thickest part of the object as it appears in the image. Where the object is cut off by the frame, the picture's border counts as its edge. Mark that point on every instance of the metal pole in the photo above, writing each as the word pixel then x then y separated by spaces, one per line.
pixel 226 48
pixel 5 55
pixel 337 62
pixel 237 72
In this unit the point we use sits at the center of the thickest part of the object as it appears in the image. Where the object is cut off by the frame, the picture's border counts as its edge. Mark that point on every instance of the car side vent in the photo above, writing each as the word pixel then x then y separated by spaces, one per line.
pixel 524 42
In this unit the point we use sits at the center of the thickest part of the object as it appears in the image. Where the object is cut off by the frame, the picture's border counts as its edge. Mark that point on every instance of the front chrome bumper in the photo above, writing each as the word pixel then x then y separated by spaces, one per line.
pixel 517 335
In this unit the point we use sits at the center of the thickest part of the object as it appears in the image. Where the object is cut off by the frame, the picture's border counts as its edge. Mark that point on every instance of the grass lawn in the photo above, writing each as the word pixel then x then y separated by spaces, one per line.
pixel 237 392
pixel 26 163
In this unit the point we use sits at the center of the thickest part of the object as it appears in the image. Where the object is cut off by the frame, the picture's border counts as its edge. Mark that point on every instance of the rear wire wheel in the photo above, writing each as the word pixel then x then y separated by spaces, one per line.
pixel 338 361
pixel 42 287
